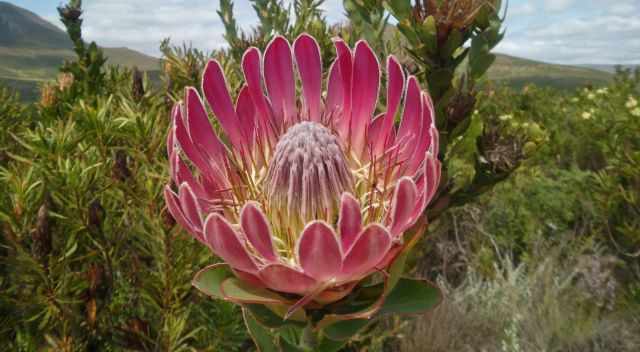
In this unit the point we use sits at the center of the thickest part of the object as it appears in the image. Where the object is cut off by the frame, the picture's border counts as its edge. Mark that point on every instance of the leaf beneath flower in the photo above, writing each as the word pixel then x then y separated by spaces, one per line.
pixel 411 296
pixel 262 336
pixel 345 330
pixel 238 291
pixel 209 279
pixel 272 315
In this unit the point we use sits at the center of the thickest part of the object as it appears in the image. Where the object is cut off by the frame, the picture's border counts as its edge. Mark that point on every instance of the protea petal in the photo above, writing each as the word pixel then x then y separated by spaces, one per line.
pixel 433 173
pixel 319 251
pixel 412 116
pixel 426 136
pixel 173 205
pixel 435 145
pixel 256 228
pixel 404 200
pixel 309 63
pixel 350 221
pixel 182 175
pixel 344 64
pixel 335 91
pixel 200 129
pixel 190 206
pixel 369 249
pixel 366 75
pixel 427 184
pixel 395 87
pixel 252 279
pixel 225 243
pixel 283 278
pixel 246 112
pixel 251 67
pixel 185 142
pixel 214 86
pixel 279 79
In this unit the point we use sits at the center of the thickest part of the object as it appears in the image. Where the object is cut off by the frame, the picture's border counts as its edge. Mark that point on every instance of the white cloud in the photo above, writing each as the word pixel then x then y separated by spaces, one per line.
pixel 603 39
pixel 624 7
pixel 558 5
pixel 564 31
pixel 142 24
pixel 523 9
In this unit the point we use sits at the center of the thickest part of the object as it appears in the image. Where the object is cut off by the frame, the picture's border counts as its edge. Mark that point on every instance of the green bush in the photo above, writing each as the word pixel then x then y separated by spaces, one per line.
pixel 91 260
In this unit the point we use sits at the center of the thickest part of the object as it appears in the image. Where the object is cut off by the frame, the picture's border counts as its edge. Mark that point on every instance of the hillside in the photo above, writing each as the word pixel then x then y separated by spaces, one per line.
pixel 518 72
pixel 32 50
pixel 612 68
pixel 21 28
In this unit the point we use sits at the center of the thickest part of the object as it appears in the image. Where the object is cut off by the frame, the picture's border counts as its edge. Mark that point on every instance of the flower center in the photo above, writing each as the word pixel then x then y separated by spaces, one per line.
pixel 307 174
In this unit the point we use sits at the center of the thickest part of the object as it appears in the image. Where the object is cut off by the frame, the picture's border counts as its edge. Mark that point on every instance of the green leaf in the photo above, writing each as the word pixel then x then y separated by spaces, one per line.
pixel 266 316
pixel 454 41
pixel 292 334
pixel 400 9
pixel 209 279
pixel 411 296
pixel 440 79
pixel 286 346
pixel 481 65
pixel 328 345
pixel 281 310
pixel 428 33
pixel 345 330
pixel 262 336
pixel 239 291
pixel 480 59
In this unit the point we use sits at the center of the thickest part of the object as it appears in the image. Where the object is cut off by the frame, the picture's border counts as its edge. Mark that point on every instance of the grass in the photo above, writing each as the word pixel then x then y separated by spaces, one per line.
pixel 560 303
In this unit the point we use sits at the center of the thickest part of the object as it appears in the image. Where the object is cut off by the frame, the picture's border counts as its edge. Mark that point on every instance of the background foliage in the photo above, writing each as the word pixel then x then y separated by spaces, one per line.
pixel 537 217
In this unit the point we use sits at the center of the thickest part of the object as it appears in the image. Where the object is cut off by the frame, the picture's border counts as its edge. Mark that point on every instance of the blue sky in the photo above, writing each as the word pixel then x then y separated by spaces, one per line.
pixel 561 31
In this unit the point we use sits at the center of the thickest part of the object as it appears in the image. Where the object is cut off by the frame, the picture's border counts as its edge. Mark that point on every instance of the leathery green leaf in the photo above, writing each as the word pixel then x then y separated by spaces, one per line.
pixel 269 316
pixel 345 330
pixel 209 279
pixel 236 290
pixel 260 335
pixel 411 296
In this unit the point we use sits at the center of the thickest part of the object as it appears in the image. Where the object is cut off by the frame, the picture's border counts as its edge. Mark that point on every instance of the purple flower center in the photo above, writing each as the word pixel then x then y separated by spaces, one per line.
pixel 308 173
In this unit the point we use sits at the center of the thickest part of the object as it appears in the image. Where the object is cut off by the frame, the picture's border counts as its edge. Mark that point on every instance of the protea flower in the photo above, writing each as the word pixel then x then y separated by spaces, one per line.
pixel 304 195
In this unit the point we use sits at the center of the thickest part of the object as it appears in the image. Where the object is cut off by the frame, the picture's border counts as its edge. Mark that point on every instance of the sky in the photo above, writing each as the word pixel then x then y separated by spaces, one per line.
pixel 558 31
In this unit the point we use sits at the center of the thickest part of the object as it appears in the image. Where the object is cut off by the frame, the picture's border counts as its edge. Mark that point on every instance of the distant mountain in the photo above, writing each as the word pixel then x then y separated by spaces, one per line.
pixel 21 28
pixel 519 72
pixel 32 50
pixel 611 68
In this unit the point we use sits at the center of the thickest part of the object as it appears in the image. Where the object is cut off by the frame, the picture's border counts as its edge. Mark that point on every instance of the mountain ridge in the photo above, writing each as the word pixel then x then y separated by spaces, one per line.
pixel 32 49
pixel 22 28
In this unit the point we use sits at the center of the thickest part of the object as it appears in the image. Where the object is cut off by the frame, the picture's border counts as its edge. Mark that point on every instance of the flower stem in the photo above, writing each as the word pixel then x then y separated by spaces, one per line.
pixel 309 338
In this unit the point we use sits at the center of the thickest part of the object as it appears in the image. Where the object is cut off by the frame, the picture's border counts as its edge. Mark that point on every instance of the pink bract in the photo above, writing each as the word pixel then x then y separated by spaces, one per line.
pixel 303 195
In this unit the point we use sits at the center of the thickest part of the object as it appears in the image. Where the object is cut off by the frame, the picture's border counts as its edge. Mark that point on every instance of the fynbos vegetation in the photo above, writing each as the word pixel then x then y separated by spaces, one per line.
pixel 533 236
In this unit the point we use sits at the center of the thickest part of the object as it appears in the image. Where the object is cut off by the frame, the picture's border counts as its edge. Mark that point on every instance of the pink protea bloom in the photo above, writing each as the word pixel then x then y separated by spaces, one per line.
pixel 306 195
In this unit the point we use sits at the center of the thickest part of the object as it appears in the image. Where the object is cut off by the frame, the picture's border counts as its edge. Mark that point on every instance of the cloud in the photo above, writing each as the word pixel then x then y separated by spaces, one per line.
pixel 584 40
pixel 143 24
pixel 557 5
pixel 524 9
pixel 623 7
pixel 563 31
